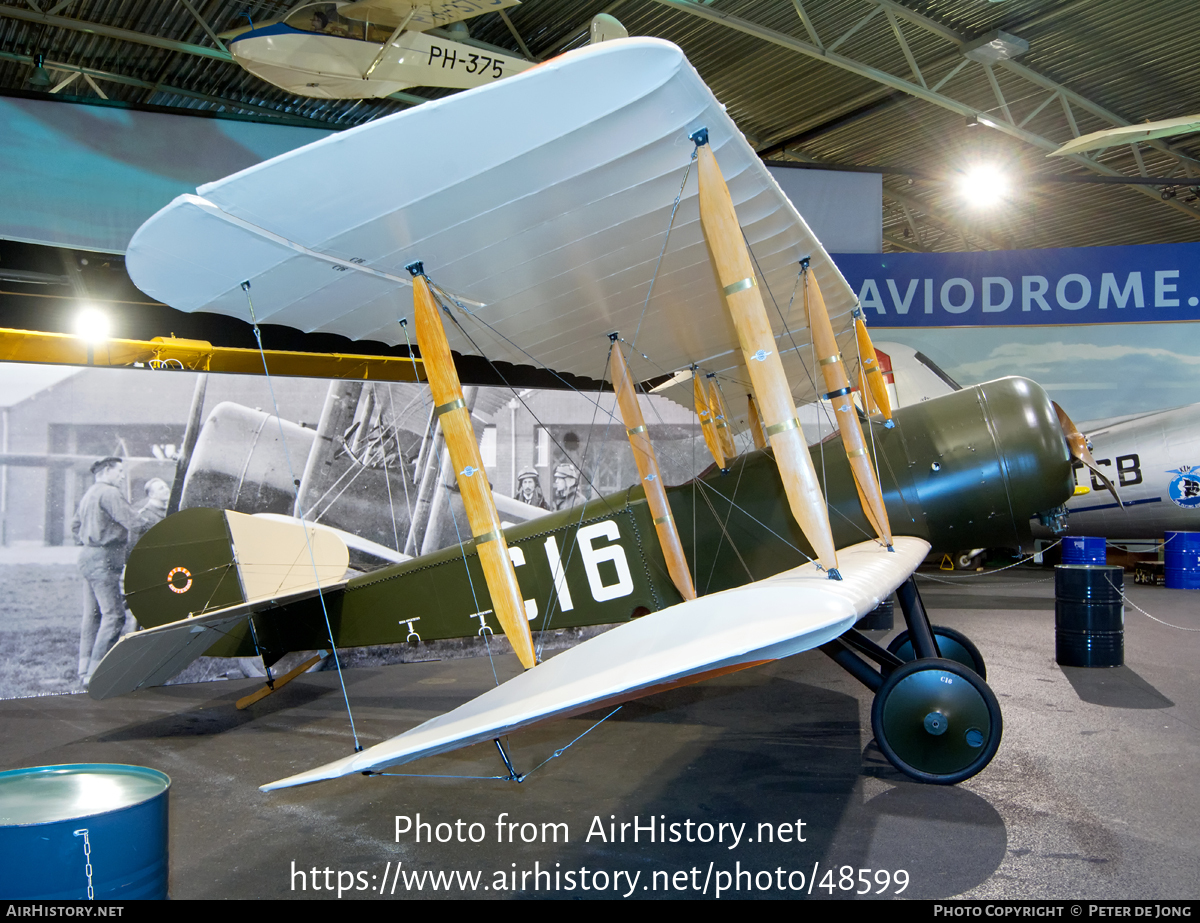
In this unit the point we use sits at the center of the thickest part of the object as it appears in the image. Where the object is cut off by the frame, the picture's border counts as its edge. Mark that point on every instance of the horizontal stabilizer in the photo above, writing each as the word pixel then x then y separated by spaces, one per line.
pixel 276 558
pixel 203 560
pixel 777 617
pixel 149 658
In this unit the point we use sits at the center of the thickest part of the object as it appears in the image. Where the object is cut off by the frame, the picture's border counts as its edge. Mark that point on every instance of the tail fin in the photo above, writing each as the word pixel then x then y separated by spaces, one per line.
pixel 200 560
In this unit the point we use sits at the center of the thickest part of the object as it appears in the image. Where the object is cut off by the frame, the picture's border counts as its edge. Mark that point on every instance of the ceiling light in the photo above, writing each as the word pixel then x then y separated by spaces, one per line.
pixel 983 186
pixel 40 79
pixel 92 324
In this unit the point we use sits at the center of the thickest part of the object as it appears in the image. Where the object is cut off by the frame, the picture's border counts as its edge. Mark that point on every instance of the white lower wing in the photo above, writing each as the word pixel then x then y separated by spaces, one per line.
pixel 783 615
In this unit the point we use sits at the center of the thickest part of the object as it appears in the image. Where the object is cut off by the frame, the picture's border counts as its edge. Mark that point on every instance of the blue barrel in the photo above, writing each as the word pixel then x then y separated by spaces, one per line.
pixel 1089 615
pixel 1084 549
pixel 1181 560
pixel 65 829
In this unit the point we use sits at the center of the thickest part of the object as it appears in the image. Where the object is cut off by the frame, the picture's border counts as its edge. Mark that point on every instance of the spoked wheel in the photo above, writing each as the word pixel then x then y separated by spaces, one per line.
pixel 954 645
pixel 936 721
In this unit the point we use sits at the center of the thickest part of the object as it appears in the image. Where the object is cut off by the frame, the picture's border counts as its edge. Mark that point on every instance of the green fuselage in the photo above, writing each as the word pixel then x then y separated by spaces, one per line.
pixel 965 470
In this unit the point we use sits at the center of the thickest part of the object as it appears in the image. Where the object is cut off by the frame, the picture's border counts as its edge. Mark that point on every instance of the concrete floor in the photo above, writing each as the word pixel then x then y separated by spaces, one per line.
pixel 1093 794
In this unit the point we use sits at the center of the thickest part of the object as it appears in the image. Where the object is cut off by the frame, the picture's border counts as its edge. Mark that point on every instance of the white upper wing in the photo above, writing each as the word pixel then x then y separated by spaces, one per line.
pixel 541 201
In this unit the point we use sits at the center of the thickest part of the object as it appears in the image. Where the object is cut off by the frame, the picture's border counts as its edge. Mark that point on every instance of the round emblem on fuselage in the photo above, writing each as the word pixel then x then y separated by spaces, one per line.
pixel 179 572
pixel 1184 489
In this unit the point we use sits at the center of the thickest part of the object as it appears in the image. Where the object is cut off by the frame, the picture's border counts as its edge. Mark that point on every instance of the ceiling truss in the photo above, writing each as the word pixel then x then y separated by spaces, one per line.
pixel 961 85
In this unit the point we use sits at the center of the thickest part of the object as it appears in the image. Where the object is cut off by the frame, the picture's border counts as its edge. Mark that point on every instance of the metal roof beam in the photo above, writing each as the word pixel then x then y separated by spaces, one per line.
pixel 966 110
pixel 124 35
pixel 203 25
pixel 231 104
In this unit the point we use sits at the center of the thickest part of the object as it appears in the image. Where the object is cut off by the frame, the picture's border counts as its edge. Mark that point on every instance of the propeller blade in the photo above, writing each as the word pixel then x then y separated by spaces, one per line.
pixel 1077 443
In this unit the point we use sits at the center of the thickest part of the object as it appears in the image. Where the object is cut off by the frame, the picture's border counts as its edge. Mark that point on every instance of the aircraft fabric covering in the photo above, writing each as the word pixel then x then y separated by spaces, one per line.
pixel 541 202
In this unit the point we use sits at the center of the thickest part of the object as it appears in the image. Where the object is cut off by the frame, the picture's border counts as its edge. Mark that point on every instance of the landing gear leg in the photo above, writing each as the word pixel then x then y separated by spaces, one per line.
pixel 935 720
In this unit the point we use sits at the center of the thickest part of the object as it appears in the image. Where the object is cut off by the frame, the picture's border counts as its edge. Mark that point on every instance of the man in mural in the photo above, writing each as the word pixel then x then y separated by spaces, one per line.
pixel 153 511
pixel 529 489
pixel 102 525
pixel 567 490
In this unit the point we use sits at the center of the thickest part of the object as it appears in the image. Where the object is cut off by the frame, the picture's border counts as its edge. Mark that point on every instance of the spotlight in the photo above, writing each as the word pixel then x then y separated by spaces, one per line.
pixel 983 186
pixel 40 79
pixel 91 324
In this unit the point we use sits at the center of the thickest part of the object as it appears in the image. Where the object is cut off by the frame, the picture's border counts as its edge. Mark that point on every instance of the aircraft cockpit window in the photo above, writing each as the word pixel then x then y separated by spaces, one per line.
pixel 324 18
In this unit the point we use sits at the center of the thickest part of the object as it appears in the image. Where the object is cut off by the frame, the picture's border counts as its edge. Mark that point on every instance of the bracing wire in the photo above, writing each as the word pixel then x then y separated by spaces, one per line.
pixel 439 294
pixel 307 538
pixel 663 251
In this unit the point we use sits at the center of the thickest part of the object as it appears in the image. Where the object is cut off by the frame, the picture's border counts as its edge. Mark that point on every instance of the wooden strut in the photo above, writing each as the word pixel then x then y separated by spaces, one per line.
pixel 706 420
pixel 647 465
pixel 870 408
pixel 872 372
pixel 473 484
pixel 716 404
pixel 830 362
pixel 756 430
pixel 740 289
pixel 259 694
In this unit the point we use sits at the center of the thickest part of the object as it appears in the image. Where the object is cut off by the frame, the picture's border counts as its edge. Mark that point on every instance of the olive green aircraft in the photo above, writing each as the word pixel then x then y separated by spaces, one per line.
pixel 980 462
pixel 613 213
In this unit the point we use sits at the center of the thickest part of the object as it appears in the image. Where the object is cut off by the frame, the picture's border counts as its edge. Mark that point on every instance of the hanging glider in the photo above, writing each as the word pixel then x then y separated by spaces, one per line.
pixel 589 210
pixel 1129 134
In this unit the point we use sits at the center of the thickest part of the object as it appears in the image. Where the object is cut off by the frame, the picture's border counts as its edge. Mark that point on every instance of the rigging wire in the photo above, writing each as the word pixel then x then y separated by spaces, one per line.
pixel 307 538
pixel 438 295
pixel 663 251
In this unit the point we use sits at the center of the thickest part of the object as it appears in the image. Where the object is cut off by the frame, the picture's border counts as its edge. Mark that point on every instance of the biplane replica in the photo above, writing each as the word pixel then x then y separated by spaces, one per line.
pixel 615 226
pixel 370 48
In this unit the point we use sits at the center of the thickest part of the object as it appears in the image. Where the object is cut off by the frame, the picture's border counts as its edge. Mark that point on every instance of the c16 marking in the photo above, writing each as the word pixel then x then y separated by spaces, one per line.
pixel 592 557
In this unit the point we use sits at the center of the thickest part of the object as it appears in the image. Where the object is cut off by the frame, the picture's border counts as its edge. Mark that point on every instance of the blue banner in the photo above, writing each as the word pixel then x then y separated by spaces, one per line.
pixel 1088 285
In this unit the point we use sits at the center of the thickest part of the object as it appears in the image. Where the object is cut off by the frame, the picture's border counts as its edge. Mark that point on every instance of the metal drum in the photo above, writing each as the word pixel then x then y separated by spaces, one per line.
pixel 1089 615
pixel 1084 549
pixel 84 830
pixel 1181 560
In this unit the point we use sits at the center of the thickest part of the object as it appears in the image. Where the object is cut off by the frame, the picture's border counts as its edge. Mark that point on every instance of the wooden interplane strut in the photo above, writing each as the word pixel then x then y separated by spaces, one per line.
pixel 756 430
pixel 716 404
pixel 704 412
pixel 455 418
pixel 871 371
pixel 830 362
pixel 647 465
pixel 735 275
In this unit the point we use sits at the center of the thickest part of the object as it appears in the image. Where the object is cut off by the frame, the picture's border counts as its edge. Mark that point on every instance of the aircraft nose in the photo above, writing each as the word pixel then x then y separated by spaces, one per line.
pixel 984 460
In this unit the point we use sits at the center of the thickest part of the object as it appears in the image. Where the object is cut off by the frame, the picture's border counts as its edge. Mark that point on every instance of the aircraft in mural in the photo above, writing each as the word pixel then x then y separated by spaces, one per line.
pixel 567 242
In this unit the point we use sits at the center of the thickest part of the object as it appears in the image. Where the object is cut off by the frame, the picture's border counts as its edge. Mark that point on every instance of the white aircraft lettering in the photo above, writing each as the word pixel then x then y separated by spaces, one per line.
pixel 561 590
pixel 593 557
pixel 518 559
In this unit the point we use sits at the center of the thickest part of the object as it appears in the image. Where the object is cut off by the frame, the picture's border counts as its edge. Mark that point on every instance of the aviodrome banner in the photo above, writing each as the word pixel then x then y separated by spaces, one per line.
pixel 1092 285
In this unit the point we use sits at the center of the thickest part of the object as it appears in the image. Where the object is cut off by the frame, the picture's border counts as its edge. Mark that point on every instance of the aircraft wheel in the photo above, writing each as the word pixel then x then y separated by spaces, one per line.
pixel 936 721
pixel 954 645
pixel 967 561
